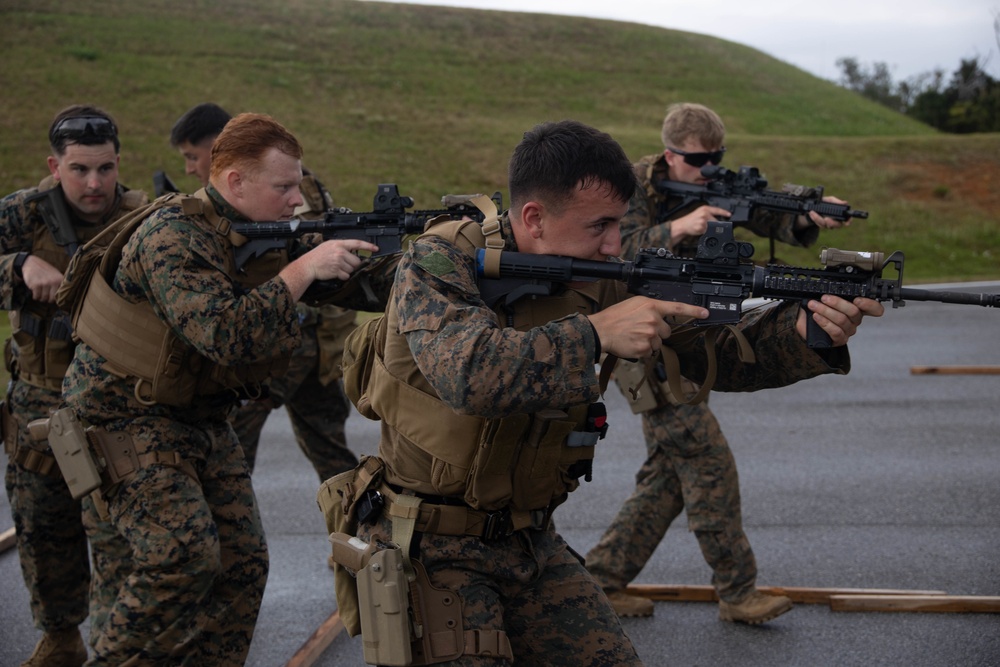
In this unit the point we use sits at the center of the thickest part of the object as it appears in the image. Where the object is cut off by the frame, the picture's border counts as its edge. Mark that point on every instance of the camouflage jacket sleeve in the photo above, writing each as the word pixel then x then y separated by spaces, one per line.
pixel 781 356
pixel 179 267
pixel 16 234
pixel 476 365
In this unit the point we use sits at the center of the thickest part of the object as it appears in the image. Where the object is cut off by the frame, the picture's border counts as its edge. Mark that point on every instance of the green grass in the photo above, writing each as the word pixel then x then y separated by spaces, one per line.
pixel 434 99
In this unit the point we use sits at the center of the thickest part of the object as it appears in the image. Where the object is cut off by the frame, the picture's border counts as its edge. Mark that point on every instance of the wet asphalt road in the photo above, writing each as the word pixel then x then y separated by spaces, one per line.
pixel 879 479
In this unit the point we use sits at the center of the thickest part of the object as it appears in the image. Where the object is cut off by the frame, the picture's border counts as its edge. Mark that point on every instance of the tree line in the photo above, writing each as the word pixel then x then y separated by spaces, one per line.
pixel 967 101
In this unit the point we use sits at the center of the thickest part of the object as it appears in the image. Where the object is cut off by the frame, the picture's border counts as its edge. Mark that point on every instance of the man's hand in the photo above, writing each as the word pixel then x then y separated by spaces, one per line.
pixel 696 222
pixel 821 221
pixel 635 328
pixel 41 278
pixel 840 319
pixel 330 260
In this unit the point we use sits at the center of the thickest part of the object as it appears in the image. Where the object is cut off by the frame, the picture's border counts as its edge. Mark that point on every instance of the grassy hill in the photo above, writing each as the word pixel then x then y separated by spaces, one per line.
pixel 434 99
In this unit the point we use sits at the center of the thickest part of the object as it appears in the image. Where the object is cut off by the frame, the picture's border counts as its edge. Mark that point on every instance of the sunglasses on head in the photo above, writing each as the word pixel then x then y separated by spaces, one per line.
pixel 700 159
pixel 81 126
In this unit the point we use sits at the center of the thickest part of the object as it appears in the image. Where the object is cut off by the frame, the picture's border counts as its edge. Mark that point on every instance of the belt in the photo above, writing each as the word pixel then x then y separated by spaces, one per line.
pixel 451 516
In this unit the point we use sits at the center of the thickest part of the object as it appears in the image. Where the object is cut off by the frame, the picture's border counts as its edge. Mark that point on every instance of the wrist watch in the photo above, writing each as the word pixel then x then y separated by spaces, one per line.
pixel 19 260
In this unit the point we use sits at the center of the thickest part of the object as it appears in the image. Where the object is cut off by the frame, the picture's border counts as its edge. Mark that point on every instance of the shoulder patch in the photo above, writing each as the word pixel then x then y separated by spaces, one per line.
pixel 436 264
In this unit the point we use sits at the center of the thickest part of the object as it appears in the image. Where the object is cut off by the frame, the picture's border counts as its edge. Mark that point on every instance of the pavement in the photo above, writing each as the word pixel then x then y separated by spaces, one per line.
pixel 878 479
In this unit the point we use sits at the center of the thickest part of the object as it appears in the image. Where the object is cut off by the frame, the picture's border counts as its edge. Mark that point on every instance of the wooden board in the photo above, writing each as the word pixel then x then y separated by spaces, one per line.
pixel 318 642
pixel 932 603
pixel 801 595
pixel 8 538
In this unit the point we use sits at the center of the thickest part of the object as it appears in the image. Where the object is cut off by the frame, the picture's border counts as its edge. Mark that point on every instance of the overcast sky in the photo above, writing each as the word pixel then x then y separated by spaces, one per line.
pixel 911 36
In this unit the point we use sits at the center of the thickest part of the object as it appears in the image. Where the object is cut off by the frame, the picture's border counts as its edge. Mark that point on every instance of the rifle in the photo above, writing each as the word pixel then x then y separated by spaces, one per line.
pixel 719 277
pixel 162 184
pixel 51 205
pixel 742 192
pixel 385 225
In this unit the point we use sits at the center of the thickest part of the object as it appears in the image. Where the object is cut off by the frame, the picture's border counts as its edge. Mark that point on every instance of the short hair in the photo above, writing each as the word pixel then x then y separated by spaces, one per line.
pixel 555 158
pixel 244 141
pixel 82 124
pixel 198 123
pixel 687 120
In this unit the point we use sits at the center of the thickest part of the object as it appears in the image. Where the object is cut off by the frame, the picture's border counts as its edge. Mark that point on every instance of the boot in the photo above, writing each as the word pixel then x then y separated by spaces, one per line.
pixel 755 609
pixel 628 606
pixel 62 648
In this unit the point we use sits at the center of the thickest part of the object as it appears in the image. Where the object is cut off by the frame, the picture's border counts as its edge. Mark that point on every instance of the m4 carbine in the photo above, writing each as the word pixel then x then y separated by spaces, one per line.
pixel 719 278
pixel 742 192
pixel 385 225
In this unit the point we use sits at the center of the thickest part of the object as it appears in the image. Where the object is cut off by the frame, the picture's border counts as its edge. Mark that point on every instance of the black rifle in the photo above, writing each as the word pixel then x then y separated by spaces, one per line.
pixel 162 184
pixel 742 192
pixel 385 225
pixel 719 278
pixel 51 205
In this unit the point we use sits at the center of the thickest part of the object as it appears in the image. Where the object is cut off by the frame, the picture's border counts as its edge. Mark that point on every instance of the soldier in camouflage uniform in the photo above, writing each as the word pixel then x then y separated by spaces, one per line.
pixel 81 196
pixel 177 485
pixel 311 389
pixel 497 423
pixel 689 464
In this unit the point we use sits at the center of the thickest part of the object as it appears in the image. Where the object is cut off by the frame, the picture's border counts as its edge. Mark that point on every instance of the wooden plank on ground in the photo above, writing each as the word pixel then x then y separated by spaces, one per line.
pixel 8 538
pixel 955 370
pixel 801 595
pixel 318 642
pixel 931 603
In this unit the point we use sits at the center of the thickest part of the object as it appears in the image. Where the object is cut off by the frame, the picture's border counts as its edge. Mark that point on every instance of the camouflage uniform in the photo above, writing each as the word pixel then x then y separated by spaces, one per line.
pixel 199 557
pixel 51 540
pixel 310 389
pixel 688 461
pixel 529 584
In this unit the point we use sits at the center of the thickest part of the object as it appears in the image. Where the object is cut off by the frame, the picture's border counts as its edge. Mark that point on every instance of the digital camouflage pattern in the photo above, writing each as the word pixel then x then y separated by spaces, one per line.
pixel 688 461
pixel 311 392
pixel 477 366
pixel 688 465
pixel 533 587
pixel 310 389
pixel 51 540
pixel 199 558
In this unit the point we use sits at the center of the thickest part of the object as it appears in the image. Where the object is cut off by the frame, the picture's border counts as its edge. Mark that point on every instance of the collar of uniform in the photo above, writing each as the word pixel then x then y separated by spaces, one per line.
pixel 222 207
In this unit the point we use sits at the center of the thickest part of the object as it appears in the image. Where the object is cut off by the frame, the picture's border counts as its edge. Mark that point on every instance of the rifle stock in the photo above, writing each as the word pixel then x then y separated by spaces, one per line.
pixel 719 278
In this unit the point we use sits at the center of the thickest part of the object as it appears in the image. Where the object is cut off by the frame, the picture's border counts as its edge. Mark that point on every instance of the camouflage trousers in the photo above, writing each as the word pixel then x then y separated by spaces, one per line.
pixel 51 541
pixel 530 585
pixel 317 412
pixel 688 466
pixel 193 585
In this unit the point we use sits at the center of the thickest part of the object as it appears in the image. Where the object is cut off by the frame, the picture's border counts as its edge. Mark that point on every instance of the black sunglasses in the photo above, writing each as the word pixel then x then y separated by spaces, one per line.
pixel 81 126
pixel 700 159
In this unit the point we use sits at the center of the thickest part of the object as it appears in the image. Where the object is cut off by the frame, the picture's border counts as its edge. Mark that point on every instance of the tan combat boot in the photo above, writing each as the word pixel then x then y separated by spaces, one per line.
pixel 755 609
pixel 63 648
pixel 630 605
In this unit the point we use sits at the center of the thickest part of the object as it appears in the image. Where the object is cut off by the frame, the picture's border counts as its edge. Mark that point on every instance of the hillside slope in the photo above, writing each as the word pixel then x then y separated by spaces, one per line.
pixel 434 99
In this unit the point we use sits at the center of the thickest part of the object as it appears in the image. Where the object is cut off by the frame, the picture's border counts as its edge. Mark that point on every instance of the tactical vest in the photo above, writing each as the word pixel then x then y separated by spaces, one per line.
pixel 41 332
pixel 523 462
pixel 139 345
